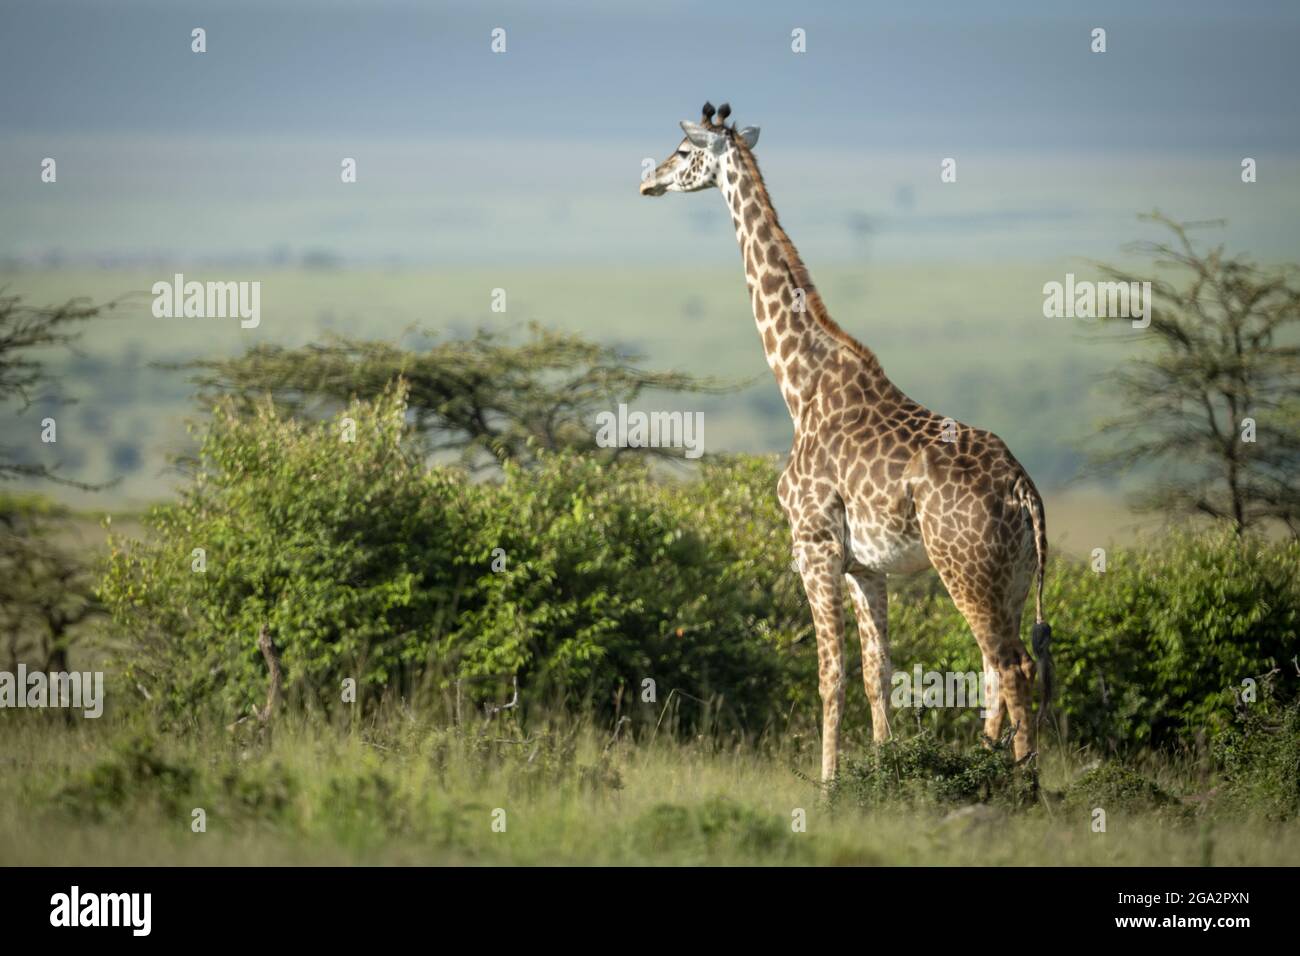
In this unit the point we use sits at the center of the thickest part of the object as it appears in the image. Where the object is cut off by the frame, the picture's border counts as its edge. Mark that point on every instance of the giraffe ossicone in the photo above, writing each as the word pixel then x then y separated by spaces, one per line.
pixel 875 484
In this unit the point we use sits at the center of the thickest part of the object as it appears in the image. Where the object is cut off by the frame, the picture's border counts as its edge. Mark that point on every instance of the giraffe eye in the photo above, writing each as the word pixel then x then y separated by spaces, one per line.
pixel 683 152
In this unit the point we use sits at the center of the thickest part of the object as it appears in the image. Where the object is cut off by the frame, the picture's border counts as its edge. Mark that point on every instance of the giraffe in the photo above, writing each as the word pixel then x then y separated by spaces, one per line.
pixel 875 483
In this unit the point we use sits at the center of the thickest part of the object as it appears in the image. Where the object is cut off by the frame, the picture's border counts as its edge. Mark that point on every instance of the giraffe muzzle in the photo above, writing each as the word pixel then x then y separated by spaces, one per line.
pixel 652 188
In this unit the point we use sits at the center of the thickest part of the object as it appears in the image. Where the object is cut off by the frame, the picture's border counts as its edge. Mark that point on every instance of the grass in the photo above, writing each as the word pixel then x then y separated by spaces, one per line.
pixel 402 790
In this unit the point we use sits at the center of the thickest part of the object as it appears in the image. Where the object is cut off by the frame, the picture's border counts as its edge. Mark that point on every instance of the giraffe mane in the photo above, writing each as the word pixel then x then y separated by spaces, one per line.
pixel 795 264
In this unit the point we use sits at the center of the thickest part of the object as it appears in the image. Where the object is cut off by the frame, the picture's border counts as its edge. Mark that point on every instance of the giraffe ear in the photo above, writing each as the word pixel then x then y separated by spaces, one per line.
pixel 750 135
pixel 699 136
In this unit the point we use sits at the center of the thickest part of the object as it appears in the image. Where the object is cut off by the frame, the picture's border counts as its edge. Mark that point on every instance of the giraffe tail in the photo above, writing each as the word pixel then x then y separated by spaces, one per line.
pixel 1041 635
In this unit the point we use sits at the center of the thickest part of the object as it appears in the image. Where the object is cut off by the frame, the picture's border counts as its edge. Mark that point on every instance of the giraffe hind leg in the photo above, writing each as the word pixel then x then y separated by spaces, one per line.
pixel 977 544
pixel 871 606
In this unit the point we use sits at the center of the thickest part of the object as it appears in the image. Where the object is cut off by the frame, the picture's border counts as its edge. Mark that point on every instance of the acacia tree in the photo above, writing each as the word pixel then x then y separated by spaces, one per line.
pixel 1214 403
pixel 45 588
pixel 26 332
pixel 489 400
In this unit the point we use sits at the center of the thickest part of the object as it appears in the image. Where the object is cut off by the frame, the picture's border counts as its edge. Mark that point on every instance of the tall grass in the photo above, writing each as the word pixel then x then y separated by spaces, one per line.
pixel 399 788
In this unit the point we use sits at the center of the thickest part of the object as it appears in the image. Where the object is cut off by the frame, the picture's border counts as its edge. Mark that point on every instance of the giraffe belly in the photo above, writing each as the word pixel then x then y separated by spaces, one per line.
pixel 888 549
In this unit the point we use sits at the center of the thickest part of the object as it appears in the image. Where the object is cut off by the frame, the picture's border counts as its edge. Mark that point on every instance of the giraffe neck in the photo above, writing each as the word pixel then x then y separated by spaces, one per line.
pixel 797 332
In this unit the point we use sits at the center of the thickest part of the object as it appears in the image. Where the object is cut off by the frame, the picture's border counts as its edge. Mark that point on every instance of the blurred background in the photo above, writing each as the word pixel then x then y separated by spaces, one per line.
pixel 518 170
pixel 498 637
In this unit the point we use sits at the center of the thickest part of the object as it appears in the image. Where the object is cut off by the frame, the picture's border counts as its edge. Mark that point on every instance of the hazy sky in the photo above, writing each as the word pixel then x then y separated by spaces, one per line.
pixel 521 169
pixel 534 155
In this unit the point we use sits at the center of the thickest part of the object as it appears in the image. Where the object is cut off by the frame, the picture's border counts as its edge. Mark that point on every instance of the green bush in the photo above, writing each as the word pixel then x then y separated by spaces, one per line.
pixel 612 579
pixel 716 827
pixel 133 773
pixel 1148 652
pixel 585 579
pixel 1115 786
pixel 344 550
pixel 1260 760
pixel 580 579
pixel 926 770
pixel 1151 651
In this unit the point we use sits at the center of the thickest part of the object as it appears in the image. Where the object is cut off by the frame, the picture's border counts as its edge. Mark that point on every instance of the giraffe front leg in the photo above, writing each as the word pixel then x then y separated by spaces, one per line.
pixel 871 604
pixel 822 582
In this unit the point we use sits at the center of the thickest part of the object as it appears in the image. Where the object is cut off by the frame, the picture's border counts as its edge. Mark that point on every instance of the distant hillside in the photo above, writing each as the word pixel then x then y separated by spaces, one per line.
pixel 966 340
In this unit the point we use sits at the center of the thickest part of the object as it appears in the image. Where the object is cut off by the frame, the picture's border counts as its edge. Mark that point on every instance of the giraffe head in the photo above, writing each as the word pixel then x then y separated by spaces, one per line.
pixel 695 163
